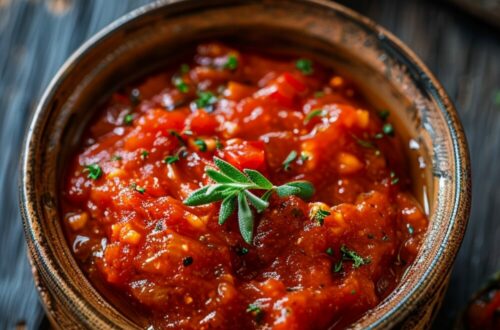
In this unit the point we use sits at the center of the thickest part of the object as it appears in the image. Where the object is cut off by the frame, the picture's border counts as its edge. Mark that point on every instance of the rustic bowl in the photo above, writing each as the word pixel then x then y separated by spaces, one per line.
pixel 389 72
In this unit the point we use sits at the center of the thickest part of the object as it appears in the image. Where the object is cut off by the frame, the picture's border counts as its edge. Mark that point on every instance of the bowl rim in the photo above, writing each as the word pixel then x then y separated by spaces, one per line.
pixel 460 156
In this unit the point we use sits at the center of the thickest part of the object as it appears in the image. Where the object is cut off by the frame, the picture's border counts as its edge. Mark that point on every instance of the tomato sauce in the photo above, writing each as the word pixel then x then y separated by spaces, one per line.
pixel 290 118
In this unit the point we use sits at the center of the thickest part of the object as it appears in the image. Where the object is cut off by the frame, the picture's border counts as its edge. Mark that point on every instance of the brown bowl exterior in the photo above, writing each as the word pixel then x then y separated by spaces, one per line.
pixel 156 33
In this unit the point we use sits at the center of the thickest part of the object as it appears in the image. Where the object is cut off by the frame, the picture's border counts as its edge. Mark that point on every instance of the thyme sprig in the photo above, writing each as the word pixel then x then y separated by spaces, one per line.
pixel 234 188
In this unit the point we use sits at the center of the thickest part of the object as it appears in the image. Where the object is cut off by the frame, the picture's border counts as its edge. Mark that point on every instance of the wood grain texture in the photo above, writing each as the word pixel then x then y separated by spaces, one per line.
pixel 36 37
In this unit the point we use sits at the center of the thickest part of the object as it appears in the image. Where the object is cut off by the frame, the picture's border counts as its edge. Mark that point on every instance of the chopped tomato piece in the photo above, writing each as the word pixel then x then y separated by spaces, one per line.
pixel 244 154
pixel 201 122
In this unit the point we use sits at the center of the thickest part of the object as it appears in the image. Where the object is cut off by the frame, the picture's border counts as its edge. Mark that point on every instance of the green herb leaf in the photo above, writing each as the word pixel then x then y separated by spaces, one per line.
pixel 259 179
pixel 181 85
pixel 394 178
pixel 410 228
pixel 199 197
pixel 384 114
pixel 245 218
pixel 337 267
pixel 252 308
pixel 289 159
pixel 388 129
pixel 306 188
pixel 320 216
pixel 362 143
pixel 314 113
pixel 137 188
pixel 217 176
pixel 258 203
pixel 205 99
pixel 200 143
pixel 144 154
pixel 286 190
pixel 171 159
pixel 178 137
pixel 218 144
pixel 329 251
pixel 116 157
pixel 94 171
pixel 128 119
pixel 352 255
pixel 305 66
pixel 227 207
pixel 232 184
pixel 232 62
pixel 230 170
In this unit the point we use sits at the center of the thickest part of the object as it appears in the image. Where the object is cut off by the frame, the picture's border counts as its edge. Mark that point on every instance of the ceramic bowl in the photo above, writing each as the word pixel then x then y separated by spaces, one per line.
pixel 383 67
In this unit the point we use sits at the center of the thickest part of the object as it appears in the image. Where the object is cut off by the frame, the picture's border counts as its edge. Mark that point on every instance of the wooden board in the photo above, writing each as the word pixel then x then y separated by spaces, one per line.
pixel 36 36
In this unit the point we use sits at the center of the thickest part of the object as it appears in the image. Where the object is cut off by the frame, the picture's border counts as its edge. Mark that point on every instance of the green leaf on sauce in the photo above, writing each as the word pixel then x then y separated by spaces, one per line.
pixel 305 66
pixel 94 171
pixel 289 159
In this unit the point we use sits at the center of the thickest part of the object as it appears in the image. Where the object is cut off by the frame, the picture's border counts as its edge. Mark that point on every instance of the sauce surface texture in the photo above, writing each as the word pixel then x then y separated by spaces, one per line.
pixel 312 264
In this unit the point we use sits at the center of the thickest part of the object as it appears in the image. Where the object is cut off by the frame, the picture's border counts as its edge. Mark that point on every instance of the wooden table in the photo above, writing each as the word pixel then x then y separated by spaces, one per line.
pixel 36 36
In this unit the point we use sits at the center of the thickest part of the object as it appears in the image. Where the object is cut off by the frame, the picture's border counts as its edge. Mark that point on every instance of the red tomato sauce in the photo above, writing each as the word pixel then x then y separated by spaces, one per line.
pixel 289 118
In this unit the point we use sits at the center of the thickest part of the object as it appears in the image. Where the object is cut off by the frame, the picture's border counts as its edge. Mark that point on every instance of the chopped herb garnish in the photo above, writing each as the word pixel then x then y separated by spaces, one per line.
pixel 385 238
pixel 320 215
pixel 137 188
pixel 116 157
pixel 94 171
pixel 187 261
pixel 353 291
pixel 178 137
pixel 337 267
pixel 128 119
pixel 305 66
pixel 256 311
pixel 289 159
pixel 304 156
pixel 329 251
pixel 200 143
pixel 184 68
pixel 314 113
pixel 144 154
pixel 319 94
pixel 205 99
pixel 171 159
pixel 384 114
pixel 181 85
pixel 135 96
pixel 234 188
pixel 353 256
pixel 394 178
pixel 231 63
pixel 242 251
pixel 362 143
pixel 410 229
pixel 218 145
pixel 159 226
pixel 388 129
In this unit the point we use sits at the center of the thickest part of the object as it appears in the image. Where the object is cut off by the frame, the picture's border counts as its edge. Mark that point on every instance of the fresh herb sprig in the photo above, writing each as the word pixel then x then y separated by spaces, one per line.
pixel 233 187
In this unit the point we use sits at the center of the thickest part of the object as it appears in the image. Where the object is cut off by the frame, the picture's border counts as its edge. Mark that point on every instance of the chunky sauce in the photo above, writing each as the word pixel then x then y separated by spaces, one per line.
pixel 312 264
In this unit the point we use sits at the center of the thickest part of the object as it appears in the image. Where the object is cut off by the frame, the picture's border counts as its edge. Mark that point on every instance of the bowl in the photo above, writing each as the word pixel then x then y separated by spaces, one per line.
pixel 386 70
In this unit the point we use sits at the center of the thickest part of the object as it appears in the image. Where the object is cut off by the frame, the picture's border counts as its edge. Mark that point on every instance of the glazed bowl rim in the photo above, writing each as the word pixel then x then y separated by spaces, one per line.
pixel 461 200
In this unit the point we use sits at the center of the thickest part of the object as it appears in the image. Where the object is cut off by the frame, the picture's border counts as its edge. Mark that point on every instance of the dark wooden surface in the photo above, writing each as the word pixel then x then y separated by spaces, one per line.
pixel 36 36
